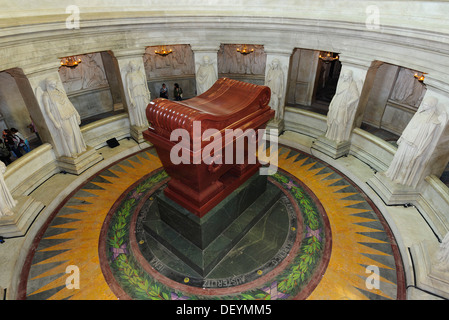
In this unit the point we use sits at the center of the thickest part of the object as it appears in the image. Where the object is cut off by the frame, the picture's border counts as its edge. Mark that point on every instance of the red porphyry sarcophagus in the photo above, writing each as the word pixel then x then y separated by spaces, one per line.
pixel 196 184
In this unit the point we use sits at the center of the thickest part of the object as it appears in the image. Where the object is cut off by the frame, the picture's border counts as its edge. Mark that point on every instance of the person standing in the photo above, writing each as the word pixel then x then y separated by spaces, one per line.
pixel 23 142
pixel 12 142
pixel 5 154
pixel 177 92
pixel 163 93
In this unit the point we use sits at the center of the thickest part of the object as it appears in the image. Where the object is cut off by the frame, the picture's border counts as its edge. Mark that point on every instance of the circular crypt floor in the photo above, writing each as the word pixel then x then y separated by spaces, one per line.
pixel 323 239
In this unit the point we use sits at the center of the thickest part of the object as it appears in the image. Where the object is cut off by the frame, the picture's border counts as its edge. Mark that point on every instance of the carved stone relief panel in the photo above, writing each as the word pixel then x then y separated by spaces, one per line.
pixel 407 90
pixel 232 62
pixel 179 62
pixel 89 74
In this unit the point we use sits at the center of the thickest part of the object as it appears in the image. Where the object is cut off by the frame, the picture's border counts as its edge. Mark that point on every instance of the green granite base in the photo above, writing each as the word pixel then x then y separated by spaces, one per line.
pixel 202 231
pixel 202 243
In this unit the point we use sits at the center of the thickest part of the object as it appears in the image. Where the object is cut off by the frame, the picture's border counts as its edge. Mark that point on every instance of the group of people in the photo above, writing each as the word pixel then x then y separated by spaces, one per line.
pixel 177 92
pixel 13 144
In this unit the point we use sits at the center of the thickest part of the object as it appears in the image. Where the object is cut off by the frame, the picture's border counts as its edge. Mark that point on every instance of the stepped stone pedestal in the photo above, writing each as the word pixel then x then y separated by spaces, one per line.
pixel 209 206
pixel 392 193
pixel 25 211
pixel 429 276
pixel 81 163
pixel 202 243
pixel 331 148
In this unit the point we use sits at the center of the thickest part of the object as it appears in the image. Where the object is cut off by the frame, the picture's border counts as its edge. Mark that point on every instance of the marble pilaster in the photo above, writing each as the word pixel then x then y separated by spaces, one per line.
pixel 358 68
pixel 31 84
pixel 394 192
pixel 206 68
pixel 276 77
pixel 124 59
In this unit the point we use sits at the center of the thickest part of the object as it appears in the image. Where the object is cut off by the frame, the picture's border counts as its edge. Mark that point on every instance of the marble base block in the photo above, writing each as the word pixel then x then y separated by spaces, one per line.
pixel 202 243
pixel 26 210
pixel 331 148
pixel 429 276
pixel 276 124
pixel 392 193
pixel 81 163
pixel 136 134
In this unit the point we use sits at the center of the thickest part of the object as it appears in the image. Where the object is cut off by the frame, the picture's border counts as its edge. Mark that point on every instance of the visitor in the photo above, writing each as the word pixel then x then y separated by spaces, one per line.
pixel 11 142
pixel 5 154
pixel 177 92
pixel 163 93
pixel 23 142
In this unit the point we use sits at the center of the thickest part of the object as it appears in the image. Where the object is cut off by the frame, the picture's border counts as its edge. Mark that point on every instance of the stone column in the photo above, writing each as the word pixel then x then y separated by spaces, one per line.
pixel 72 154
pixel 344 108
pixel 404 180
pixel 206 69
pixel 134 87
pixel 276 77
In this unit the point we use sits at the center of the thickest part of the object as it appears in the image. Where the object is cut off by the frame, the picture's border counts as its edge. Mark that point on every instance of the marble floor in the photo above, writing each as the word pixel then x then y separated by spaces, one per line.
pixel 324 240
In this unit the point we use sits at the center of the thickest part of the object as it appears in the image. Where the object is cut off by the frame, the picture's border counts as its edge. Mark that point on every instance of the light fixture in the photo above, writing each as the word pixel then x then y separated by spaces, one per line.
pixel 163 51
pixel 245 50
pixel 420 77
pixel 70 62
pixel 328 57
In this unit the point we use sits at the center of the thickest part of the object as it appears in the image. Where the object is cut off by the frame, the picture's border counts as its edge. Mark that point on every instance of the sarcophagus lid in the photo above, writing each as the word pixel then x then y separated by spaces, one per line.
pixel 228 104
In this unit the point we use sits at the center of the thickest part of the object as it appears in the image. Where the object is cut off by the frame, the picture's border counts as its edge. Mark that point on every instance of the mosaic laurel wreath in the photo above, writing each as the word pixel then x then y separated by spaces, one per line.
pixel 141 286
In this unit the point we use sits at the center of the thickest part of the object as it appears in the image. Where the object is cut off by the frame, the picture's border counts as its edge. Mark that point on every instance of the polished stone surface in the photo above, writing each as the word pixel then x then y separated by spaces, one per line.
pixel 203 245
pixel 96 228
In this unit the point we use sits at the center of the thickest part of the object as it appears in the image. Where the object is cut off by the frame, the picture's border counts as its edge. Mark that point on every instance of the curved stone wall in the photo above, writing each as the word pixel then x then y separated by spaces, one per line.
pixel 411 34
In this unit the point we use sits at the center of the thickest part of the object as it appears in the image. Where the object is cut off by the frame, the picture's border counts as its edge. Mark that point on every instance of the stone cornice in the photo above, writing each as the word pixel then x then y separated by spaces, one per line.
pixel 412 48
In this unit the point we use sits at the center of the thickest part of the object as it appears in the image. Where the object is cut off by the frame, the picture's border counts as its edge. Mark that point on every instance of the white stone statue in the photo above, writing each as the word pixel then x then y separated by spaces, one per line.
pixel 443 255
pixel 64 117
pixel 206 75
pixel 276 82
pixel 342 108
pixel 139 95
pixel 416 144
pixel 7 202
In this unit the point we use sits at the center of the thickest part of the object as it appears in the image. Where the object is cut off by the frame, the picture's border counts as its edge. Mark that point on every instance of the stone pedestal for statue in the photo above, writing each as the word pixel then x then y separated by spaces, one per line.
pixel 25 211
pixel 137 134
pixel 80 163
pixel 275 126
pixel 207 208
pixel 392 193
pixel 428 276
pixel 331 148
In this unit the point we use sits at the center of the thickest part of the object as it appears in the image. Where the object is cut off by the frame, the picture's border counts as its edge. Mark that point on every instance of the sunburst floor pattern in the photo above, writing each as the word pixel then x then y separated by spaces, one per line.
pixel 89 248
